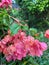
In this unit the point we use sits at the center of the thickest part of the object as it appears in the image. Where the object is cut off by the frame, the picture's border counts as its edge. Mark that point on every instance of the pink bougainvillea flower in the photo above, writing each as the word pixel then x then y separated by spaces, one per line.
pixel 43 46
pixel 9 52
pixel 0 4
pixel 5 51
pixel 5 3
pixel 8 58
pixel 47 33
pixel 22 35
pixel 0 47
pixel 28 41
pixel 20 50
pixel 17 51
pixel 20 45
pixel 6 39
pixel 37 48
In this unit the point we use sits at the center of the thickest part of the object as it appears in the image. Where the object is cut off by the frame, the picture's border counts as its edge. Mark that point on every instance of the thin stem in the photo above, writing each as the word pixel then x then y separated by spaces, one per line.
pixel 16 20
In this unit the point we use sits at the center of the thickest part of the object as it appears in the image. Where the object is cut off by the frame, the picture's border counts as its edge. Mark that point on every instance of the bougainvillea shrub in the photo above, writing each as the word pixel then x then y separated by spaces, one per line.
pixel 19 44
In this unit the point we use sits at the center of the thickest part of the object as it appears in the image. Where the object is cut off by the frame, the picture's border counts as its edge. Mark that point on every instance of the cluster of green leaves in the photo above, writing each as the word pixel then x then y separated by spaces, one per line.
pixel 36 12
pixel 3 21
pixel 7 22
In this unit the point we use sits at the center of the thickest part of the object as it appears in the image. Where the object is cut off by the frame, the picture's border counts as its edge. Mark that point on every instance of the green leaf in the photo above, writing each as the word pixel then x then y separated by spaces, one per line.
pixel 14 28
pixel 25 28
pixel 32 31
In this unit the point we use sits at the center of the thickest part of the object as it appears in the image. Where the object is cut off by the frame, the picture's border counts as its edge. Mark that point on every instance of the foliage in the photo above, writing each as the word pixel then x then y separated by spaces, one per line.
pixel 36 12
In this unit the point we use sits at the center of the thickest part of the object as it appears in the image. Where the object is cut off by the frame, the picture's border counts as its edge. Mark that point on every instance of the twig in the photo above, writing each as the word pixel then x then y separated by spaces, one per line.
pixel 16 20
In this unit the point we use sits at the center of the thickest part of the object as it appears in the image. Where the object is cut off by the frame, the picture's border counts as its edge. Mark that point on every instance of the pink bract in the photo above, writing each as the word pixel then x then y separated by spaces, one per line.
pixel 37 48
pixel 5 3
pixel 47 33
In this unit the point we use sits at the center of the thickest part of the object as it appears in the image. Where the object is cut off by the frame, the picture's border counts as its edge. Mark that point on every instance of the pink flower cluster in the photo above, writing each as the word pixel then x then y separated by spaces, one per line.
pixel 20 45
pixel 47 33
pixel 5 3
